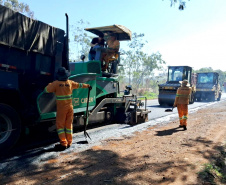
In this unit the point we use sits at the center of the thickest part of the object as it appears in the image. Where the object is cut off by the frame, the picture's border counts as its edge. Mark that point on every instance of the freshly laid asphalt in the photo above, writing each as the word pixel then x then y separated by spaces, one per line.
pixel 33 152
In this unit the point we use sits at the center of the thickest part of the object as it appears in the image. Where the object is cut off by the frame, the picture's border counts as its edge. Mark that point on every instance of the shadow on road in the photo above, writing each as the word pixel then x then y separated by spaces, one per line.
pixel 82 142
pixel 169 131
pixel 98 166
pixel 158 106
pixel 39 138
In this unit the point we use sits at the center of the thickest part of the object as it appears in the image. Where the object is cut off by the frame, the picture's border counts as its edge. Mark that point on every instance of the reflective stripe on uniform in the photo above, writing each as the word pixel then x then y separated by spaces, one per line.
pixel 46 90
pixel 182 95
pixel 60 131
pixel 185 117
pixel 68 131
pixel 66 97
pixel 80 85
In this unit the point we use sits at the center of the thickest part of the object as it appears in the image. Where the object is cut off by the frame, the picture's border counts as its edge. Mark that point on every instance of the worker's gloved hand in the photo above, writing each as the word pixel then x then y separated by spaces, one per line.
pixel 174 105
pixel 90 87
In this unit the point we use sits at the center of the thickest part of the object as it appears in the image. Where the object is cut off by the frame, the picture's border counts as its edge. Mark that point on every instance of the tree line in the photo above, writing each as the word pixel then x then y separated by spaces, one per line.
pixel 138 67
pixel 142 70
pixel 222 74
pixel 18 7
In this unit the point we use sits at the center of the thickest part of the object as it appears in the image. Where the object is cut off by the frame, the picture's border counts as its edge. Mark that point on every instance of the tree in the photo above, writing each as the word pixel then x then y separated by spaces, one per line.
pixel 146 66
pixel 204 70
pixel 131 58
pixel 138 64
pixel 18 7
pixel 81 40
pixel 222 74
pixel 182 4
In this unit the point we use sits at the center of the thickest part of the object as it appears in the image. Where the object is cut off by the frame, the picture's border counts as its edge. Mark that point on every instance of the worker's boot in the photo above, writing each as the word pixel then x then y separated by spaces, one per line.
pixel 59 147
pixel 185 128
pixel 180 126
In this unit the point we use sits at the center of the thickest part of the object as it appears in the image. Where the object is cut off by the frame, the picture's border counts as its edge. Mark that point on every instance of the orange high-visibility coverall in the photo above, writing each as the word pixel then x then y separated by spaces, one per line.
pixel 64 117
pixel 181 102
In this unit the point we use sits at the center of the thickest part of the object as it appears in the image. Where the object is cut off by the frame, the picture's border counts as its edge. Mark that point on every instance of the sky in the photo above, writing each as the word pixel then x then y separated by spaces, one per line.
pixel 195 36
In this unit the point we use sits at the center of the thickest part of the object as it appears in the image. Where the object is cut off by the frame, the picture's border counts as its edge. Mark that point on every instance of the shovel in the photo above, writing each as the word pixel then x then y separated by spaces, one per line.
pixel 86 117
pixel 169 110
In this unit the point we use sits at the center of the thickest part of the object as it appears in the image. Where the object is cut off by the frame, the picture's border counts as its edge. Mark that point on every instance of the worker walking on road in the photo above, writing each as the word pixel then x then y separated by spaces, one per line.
pixel 181 102
pixel 63 88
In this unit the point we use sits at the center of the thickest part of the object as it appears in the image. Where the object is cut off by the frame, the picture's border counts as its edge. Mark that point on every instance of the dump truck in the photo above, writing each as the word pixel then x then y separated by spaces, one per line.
pixel 208 87
pixel 30 54
pixel 176 74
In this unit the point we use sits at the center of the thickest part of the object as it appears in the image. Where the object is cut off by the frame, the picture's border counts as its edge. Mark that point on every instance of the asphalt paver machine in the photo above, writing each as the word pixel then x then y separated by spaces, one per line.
pixel 30 54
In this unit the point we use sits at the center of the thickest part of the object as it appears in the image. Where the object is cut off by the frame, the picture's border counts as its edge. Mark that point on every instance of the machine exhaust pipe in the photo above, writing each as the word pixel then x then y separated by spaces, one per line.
pixel 67 41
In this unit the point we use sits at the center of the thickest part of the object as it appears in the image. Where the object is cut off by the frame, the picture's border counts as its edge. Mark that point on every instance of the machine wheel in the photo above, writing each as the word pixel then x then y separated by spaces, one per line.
pixel 122 117
pixel 219 97
pixel 128 117
pixel 10 127
pixel 212 98
pixel 142 119
pixel 198 99
pixel 192 99
pixel 160 102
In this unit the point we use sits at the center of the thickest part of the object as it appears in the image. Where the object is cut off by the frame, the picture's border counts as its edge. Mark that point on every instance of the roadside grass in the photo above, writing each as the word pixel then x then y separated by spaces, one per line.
pixel 214 173
pixel 151 96
pixel 148 95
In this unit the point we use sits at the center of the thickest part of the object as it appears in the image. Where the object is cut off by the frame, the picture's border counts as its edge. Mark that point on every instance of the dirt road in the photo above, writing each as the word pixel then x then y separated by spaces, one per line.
pixel 158 155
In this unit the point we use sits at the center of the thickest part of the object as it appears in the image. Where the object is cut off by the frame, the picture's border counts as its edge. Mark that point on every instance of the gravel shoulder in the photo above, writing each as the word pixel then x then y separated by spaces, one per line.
pixel 162 154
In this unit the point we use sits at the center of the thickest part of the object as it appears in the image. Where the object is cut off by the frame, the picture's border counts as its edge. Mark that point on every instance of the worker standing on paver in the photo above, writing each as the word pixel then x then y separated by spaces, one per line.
pixel 63 88
pixel 111 50
pixel 181 102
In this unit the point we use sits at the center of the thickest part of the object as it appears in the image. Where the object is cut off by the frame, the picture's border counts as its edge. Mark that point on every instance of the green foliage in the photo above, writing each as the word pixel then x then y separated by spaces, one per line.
pixel 18 7
pixel 133 55
pixel 150 95
pixel 214 173
pixel 204 69
pixel 139 65
pixel 182 4
pixel 137 42
pixel 81 40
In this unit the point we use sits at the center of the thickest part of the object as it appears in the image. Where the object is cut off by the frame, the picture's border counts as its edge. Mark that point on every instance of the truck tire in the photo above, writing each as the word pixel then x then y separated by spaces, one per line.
pixel 160 102
pixel 219 97
pixel 198 99
pixel 212 97
pixel 10 127
pixel 192 99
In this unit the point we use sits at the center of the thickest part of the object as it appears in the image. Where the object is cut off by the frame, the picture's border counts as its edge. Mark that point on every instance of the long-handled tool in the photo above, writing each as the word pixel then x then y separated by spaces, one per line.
pixel 169 110
pixel 86 118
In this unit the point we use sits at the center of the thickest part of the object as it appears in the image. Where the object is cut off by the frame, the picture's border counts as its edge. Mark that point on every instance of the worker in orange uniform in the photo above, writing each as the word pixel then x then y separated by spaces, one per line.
pixel 111 50
pixel 181 102
pixel 63 88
